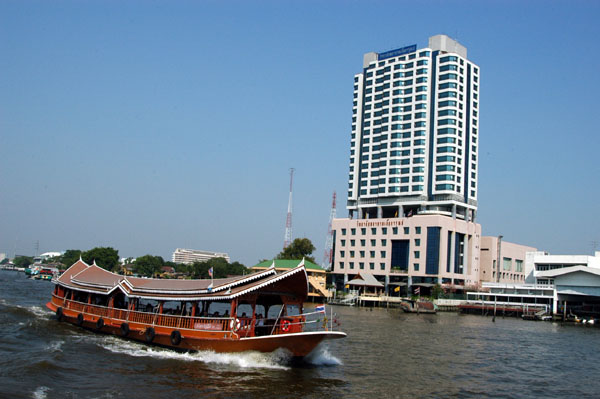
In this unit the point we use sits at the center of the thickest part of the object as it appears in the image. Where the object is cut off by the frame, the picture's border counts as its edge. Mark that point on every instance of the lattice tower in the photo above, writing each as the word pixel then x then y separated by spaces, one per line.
pixel 328 255
pixel 287 240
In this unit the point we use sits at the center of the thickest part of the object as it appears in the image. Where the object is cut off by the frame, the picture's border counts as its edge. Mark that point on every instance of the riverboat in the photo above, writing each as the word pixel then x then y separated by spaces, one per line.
pixel 411 306
pixel 261 311
pixel 47 273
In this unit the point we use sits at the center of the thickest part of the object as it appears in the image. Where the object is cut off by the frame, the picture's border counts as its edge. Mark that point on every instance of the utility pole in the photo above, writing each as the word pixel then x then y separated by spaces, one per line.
pixel 498 258
pixel 288 223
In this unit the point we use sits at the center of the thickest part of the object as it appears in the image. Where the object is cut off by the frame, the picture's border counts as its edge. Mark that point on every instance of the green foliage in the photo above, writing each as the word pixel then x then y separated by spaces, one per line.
pixel 298 249
pixel 4 261
pixel 69 257
pixel 436 291
pixel 105 257
pixel 148 265
pixel 23 261
pixel 221 269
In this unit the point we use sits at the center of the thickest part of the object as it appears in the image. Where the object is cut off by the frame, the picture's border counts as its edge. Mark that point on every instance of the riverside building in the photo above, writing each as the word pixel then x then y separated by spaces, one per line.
pixel 412 186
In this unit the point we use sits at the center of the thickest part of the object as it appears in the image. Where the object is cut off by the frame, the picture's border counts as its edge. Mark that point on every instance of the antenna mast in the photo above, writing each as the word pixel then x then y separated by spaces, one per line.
pixel 287 240
pixel 328 256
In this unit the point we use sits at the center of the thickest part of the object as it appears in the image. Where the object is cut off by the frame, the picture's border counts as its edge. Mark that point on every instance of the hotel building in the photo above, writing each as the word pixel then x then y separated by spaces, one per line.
pixel 412 187
pixel 189 256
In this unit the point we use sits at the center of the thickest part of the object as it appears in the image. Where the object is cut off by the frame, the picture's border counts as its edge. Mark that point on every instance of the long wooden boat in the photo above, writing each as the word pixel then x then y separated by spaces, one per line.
pixel 412 306
pixel 258 312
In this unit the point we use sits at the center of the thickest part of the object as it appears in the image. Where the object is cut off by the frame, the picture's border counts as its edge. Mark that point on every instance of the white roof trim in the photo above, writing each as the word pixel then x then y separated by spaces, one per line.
pixel 567 270
pixel 274 280
pixel 204 291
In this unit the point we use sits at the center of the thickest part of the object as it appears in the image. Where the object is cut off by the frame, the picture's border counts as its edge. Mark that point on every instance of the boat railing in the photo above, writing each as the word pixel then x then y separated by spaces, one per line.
pixel 152 319
pixel 239 326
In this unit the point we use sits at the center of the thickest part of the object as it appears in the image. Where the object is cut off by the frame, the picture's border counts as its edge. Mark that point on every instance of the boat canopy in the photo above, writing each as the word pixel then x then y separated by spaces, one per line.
pixel 94 279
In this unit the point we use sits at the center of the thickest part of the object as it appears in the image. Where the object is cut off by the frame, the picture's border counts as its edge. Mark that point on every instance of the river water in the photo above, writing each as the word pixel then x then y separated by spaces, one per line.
pixel 387 354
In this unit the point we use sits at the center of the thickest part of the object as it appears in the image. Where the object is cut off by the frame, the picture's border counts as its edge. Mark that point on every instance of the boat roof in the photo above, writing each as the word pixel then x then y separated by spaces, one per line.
pixel 94 279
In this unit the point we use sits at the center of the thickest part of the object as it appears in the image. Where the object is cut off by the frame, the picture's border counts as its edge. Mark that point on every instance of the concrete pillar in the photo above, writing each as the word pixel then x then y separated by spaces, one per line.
pixel 400 211
pixel 466 259
pixel 360 213
pixel 452 254
pixel 473 215
pixel 379 212
pixel 454 211
pixel 387 284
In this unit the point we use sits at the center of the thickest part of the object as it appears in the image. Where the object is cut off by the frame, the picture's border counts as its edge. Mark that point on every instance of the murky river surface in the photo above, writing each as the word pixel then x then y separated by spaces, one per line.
pixel 387 355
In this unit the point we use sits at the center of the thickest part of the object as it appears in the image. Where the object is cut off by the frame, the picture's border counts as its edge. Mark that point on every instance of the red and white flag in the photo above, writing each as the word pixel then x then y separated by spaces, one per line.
pixel 418 291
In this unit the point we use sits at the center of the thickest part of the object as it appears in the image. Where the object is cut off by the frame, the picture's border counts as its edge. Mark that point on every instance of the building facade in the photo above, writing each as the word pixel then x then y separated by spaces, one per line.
pixel 408 252
pixel 189 256
pixel 412 186
pixel 502 261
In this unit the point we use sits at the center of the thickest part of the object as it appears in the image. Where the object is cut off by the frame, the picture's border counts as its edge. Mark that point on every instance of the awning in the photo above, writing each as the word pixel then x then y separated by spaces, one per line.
pixel 400 284
pixel 423 284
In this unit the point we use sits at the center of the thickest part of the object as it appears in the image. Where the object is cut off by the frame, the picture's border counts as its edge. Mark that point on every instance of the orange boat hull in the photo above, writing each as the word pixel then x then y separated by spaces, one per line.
pixel 299 344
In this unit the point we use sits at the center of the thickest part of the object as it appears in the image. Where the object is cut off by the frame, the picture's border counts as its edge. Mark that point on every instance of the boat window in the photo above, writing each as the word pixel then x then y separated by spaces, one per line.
pixel 219 309
pixel 100 300
pixel 173 307
pixel 244 310
pixel 260 310
pixel 147 305
pixel 274 311
pixel 292 310
pixel 82 297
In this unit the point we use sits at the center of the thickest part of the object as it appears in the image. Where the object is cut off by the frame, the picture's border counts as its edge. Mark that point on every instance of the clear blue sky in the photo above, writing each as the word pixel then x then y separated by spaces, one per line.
pixel 152 125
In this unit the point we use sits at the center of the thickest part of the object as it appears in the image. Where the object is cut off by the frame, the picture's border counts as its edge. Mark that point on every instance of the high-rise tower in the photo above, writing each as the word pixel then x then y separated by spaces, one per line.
pixel 415 130
pixel 412 192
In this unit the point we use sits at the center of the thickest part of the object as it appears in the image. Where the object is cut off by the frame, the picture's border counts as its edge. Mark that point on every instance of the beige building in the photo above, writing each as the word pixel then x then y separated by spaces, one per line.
pixel 502 261
pixel 408 252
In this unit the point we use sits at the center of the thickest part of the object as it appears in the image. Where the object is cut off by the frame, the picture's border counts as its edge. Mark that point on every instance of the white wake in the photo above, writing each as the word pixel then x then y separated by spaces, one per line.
pixel 275 360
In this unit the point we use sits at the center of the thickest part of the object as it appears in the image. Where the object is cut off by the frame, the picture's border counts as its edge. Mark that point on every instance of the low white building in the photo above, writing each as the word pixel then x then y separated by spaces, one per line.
pixel 575 280
pixel 537 263
pixel 189 256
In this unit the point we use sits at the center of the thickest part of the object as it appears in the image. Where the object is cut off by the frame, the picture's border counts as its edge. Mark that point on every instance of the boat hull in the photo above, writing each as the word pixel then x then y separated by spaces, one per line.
pixel 299 344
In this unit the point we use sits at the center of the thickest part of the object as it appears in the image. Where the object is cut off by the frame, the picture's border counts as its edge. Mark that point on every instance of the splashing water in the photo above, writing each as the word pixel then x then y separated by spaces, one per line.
pixel 322 357
pixel 55 346
pixel 275 360
pixel 40 393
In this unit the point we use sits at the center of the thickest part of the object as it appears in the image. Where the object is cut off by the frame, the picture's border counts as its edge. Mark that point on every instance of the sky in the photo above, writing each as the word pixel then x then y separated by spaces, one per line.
pixel 148 126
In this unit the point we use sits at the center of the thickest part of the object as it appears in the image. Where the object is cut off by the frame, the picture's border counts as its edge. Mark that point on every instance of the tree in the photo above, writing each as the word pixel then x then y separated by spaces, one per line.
pixel 70 257
pixel 436 291
pixel 4 261
pixel 148 265
pixel 221 268
pixel 23 261
pixel 105 257
pixel 298 249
